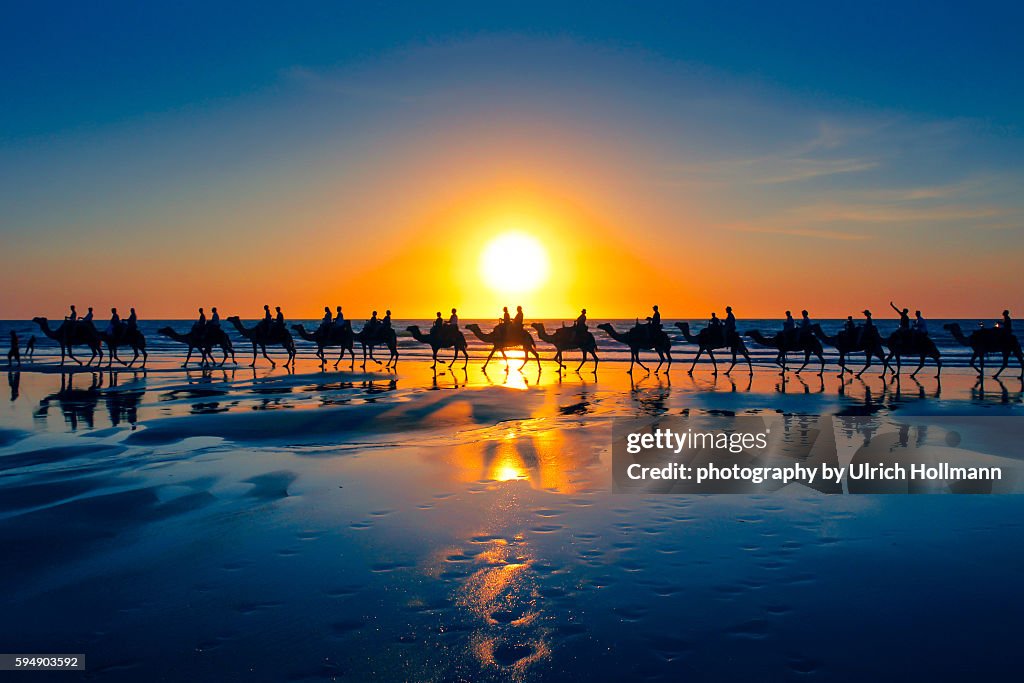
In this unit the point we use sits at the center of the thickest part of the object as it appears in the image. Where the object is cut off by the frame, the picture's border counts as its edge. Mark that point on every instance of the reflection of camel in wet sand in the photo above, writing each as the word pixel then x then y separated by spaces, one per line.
pixel 909 343
pixel 638 338
pixel 502 340
pixel 379 336
pixel 75 404
pixel 72 334
pixel 708 340
pixel 445 338
pixel 847 342
pixel 788 342
pixel 204 343
pixel 986 341
pixel 125 337
pixel 335 335
pixel 567 339
pixel 262 335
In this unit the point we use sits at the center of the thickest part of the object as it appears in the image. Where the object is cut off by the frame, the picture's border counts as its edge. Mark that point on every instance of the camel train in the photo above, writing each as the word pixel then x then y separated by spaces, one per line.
pixel 910 341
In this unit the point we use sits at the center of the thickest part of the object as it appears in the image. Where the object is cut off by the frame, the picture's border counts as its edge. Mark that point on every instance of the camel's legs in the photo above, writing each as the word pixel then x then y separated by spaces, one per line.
pixel 1006 361
pixel 807 359
pixel 921 365
pixel 489 356
pixel 253 363
pixel 714 363
pixel 700 350
pixel 263 350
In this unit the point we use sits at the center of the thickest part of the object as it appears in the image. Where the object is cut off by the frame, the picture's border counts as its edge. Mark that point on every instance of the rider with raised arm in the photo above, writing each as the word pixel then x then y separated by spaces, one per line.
pixel 904 317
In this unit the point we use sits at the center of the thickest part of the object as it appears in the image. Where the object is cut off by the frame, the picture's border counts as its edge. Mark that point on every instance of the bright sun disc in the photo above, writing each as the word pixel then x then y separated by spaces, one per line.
pixel 513 263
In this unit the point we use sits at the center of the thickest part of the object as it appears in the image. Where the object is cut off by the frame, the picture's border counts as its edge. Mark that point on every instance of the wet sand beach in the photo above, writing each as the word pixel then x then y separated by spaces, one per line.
pixel 244 524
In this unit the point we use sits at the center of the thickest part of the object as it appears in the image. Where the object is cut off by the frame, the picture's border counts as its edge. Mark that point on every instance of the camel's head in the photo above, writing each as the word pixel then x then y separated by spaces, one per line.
pixel 413 329
pixel 685 327
pixel 473 326
pixel 38 320
pixel 753 334
pixel 233 319
pixel 165 331
pixel 607 327
pixel 950 326
pixel 537 326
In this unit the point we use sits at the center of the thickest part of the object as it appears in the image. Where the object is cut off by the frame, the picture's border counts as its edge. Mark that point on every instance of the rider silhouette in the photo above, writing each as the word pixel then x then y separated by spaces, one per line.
pixel 73 315
pixel 453 320
pixel 1007 324
pixel 280 317
pixel 920 326
pixel 338 317
pixel 115 322
pixel 730 322
pixel 904 317
pixel 326 321
pixel 88 316
pixel 849 326
pixel 518 320
pixel 214 318
pixel 438 324
pixel 869 326
pixel 133 320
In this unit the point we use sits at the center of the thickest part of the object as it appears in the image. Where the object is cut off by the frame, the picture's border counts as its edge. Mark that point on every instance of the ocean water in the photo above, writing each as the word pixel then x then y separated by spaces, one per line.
pixel 953 354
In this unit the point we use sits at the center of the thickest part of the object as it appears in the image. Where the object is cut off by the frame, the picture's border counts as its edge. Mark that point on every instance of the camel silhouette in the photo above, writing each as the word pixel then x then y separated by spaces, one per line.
pixel 638 338
pixel 378 336
pixel 125 337
pixel 568 339
pixel 263 335
pixel 709 340
pixel 72 334
pixel 203 342
pixel 334 335
pixel 909 343
pixel 990 340
pixel 445 338
pixel 786 342
pixel 847 342
pixel 502 339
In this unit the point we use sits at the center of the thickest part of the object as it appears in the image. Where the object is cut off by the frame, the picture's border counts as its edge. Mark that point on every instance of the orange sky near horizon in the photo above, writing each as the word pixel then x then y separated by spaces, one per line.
pixel 639 196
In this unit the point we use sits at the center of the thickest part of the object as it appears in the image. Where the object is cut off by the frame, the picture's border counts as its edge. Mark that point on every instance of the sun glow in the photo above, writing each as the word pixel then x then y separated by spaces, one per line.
pixel 514 263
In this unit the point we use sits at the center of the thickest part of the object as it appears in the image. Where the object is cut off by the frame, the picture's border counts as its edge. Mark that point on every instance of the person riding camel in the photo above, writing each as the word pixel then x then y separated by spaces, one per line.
pixel 214 318
pixel 438 324
pixel 518 320
pixel 506 319
pixel 730 323
pixel 805 325
pixel 579 327
pixel 904 317
pixel 279 320
pixel 133 320
pixel 372 324
pixel 72 316
pixel 88 316
pixel 850 327
pixel 268 319
pixel 868 329
pixel 453 320
pixel 1007 323
pixel 339 318
pixel 114 326
pixel 385 324
pixel 327 320
pixel 789 325
pixel 715 325
pixel 200 324
pixel 920 326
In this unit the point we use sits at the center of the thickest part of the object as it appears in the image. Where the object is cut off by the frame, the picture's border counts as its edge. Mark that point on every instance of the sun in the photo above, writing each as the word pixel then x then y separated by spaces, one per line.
pixel 514 263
